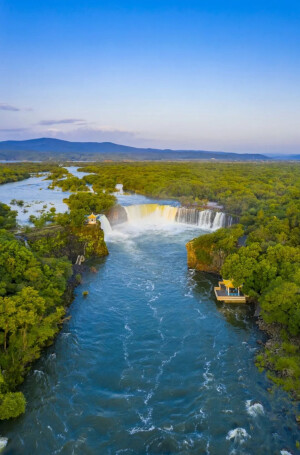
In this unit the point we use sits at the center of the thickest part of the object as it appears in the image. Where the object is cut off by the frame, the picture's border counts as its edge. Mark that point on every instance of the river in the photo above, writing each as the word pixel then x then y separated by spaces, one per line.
pixel 149 363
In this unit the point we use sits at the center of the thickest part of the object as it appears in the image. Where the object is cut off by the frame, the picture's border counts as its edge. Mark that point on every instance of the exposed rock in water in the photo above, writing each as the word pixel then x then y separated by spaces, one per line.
pixel 117 215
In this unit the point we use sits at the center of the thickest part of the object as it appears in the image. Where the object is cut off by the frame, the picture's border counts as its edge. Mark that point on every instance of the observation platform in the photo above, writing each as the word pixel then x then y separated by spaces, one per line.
pixel 227 293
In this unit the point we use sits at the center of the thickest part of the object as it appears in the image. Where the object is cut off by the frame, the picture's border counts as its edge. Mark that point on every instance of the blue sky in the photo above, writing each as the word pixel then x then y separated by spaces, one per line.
pixel 217 75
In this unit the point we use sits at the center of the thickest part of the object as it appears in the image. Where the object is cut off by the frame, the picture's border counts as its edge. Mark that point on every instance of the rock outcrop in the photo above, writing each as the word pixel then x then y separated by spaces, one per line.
pixel 208 252
pixel 58 241
pixel 204 258
pixel 92 239
pixel 116 215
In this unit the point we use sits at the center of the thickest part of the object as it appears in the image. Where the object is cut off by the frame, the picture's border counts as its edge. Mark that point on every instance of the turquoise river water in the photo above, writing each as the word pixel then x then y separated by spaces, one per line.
pixel 149 363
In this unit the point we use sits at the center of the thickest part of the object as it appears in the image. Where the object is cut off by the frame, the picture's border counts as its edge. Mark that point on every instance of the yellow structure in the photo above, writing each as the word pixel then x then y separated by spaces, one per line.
pixel 92 219
pixel 228 293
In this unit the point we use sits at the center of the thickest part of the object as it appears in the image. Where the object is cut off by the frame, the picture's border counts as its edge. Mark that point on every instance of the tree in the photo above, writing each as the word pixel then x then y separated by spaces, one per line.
pixel 281 304
pixel 12 404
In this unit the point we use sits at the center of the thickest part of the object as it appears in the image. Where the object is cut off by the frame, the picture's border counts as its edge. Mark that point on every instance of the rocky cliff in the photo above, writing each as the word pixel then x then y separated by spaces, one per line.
pixel 92 239
pixel 204 258
pixel 208 252
pixel 58 241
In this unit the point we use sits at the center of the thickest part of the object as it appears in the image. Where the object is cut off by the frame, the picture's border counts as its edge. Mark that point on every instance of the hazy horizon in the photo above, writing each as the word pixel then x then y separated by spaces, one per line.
pixel 154 148
pixel 207 75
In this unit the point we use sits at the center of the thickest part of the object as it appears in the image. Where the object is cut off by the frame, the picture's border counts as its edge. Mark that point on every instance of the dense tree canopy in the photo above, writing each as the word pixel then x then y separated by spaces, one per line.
pixel 7 217
pixel 31 289
pixel 12 174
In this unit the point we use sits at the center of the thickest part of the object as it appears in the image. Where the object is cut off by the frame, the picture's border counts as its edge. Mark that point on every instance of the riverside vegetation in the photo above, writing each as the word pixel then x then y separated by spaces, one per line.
pixel 264 198
pixel 37 280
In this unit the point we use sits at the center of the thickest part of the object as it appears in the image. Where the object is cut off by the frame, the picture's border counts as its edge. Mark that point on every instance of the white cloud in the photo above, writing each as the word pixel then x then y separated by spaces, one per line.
pixel 65 121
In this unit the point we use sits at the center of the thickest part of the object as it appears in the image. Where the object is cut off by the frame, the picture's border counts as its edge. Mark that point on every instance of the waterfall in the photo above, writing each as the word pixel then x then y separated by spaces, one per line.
pixel 219 220
pixel 105 224
pixel 205 219
pixel 151 213
pixel 161 214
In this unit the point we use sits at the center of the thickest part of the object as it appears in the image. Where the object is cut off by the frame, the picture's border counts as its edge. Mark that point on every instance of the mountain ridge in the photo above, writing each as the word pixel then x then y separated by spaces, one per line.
pixel 55 148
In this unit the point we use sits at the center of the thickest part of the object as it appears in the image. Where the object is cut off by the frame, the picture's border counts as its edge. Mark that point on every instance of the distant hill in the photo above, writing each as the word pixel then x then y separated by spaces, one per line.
pixel 285 157
pixel 56 149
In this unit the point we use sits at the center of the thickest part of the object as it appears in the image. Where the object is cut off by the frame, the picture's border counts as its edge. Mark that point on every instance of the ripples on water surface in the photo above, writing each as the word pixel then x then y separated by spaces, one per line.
pixel 150 364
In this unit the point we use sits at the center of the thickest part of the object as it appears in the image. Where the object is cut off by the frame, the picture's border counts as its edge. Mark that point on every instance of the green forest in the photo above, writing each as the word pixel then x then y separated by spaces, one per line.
pixel 12 174
pixel 263 198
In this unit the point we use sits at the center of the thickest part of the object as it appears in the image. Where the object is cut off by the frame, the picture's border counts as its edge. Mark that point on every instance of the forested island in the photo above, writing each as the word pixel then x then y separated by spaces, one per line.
pixel 260 252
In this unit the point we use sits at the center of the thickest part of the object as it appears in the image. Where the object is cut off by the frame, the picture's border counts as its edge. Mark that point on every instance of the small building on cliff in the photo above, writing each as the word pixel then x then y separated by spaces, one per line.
pixel 92 219
pixel 228 293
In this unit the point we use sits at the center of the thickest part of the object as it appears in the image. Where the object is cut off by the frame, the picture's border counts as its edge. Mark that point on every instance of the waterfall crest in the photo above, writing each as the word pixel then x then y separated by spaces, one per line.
pixel 153 213
pixel 162 214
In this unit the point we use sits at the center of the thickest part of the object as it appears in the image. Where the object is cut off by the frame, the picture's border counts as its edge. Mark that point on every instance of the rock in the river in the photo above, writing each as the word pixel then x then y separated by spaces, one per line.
pixel 116 215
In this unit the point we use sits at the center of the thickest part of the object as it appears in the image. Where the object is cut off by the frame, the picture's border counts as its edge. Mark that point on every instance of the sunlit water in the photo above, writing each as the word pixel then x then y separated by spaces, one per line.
pixel 35 194
pixel 150 364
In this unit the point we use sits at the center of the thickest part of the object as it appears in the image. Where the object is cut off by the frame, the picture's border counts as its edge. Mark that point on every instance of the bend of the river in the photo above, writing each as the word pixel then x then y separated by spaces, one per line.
pixel 149 363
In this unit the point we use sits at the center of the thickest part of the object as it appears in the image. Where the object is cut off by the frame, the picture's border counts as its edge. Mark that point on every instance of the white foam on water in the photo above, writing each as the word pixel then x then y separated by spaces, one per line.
pixel 221 388
pixel 141 430
pixel 128 328
pixel 3 442
pixel 168 428
pixel 128 334
pixel 158 376
pixel 201 315
pixel 118 452
pixel 238 435
pixel 207 375
pixel 146 420
pixel 188 442
pixel 254 409
pixel 285 452
pixel 38 373
pixel 201 414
